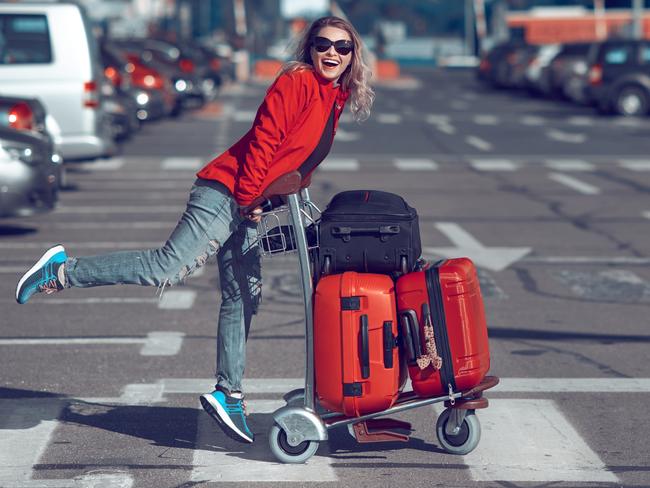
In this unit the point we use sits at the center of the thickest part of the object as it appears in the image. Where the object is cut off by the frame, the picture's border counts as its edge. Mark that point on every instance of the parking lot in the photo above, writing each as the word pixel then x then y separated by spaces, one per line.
pixel 549 199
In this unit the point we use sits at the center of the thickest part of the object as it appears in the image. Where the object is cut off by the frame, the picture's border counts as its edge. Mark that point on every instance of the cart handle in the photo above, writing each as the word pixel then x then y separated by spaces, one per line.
pixel 286 184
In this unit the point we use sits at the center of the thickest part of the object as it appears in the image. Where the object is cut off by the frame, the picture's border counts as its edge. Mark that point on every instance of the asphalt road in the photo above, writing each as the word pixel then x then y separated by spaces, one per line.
pixel 100 386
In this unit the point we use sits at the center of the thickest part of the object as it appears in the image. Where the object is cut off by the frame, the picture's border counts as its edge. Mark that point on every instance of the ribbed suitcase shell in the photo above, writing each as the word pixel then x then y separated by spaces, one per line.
pixel 464 347
pixel 338 344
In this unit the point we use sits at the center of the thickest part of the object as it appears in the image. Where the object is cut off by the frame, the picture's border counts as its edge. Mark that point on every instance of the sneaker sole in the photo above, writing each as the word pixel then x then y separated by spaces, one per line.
pixel 39 264
pixel 216 411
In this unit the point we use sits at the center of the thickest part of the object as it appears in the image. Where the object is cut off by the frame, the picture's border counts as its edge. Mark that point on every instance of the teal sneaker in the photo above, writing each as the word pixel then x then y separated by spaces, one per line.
pixel 228 411
pixel 43 275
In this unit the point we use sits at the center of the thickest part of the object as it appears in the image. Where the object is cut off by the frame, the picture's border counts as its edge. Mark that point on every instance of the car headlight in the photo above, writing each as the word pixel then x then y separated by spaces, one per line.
pixel 142 98
pixel 26 153
pixel 180 85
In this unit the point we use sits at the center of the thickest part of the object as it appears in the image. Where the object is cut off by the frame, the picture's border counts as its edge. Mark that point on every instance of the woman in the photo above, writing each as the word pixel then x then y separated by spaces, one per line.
pixel 293 130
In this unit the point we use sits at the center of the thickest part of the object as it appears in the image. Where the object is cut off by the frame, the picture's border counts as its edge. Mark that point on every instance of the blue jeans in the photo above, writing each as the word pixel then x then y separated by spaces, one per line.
pixel 210 225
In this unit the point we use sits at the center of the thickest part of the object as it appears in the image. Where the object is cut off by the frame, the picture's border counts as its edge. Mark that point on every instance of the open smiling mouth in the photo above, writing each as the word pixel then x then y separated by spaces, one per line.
pixel 330 63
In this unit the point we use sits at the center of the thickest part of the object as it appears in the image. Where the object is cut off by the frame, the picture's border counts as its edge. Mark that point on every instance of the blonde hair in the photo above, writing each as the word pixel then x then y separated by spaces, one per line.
pixel 355 79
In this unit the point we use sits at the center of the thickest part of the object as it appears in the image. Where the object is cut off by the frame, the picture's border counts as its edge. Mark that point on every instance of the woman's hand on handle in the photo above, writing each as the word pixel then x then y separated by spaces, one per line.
pixel 255 215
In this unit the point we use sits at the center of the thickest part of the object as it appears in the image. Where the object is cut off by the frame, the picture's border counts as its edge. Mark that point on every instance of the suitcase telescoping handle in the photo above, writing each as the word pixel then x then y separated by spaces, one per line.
pixel 382 230
pixel 411 335
pixel 365 348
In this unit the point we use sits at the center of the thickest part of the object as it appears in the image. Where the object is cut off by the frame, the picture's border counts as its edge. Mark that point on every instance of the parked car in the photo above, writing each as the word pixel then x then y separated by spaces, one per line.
pixel 48 50
pixel 30 169
pixel 153 96
pixel 570 61
pixel 179 70
pixel 538 69
pixel 494 67
pixel 619 77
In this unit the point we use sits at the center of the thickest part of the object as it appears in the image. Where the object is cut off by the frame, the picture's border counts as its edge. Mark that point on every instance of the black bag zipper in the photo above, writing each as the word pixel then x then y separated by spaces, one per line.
pixel 432 278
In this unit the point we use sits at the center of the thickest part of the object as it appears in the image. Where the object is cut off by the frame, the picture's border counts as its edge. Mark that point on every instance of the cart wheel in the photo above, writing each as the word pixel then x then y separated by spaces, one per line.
pixel 467 438
pixel 286 453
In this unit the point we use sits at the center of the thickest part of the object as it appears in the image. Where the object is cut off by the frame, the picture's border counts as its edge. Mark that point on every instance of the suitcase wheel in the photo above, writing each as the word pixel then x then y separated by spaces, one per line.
pixel 458 431
pixel 285 452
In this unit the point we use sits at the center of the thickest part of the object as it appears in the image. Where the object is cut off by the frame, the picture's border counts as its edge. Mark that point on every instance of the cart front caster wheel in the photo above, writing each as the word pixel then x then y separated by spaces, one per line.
pixel 465 440
pixel 286 453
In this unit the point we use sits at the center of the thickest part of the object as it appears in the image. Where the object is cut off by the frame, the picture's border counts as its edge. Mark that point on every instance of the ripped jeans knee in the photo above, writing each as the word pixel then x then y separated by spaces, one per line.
pixel 186 270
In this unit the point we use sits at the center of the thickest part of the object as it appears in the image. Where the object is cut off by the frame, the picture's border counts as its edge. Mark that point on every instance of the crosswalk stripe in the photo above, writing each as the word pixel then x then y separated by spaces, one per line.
pixel 529 440
pixel 243 116
pixel 574 183
pixel 494 165
pixel 339 164
pixel 646 214
pixel 111 164
pixel 569 165
pixel 177 163
pixel 635 164
pixel 486 119
pixel 26 426
pixel 580 121
pixel 532 120
pixel 415 164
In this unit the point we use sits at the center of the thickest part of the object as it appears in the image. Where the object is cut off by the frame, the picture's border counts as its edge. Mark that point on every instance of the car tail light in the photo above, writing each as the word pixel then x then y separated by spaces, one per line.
pixel 113 75
pixel 187 66
pixel 91 95
pixel 215 64
pixel 21 117
pixel 596 74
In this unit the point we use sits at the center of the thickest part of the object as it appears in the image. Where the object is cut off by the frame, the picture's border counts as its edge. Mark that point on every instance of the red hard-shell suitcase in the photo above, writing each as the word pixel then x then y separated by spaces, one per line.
pixel 356 358
pixel 447 296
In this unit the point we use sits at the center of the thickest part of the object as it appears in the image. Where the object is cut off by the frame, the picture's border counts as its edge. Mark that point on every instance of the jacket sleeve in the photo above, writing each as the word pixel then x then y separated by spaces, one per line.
pixel 275 118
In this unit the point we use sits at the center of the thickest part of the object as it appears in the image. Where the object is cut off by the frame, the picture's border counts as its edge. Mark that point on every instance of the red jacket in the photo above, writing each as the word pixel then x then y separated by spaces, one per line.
pixel 286 130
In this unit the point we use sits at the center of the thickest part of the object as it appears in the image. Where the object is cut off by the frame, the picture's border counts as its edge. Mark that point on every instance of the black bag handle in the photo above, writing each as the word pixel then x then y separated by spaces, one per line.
pixel 382 230
pixel 365 348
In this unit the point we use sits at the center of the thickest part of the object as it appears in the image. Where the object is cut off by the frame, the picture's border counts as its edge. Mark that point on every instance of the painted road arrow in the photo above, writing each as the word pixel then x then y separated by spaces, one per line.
pixel 492 258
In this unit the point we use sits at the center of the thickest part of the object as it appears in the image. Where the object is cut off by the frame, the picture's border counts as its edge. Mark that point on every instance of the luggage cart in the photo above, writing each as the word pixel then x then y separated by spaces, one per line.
pixel 301 425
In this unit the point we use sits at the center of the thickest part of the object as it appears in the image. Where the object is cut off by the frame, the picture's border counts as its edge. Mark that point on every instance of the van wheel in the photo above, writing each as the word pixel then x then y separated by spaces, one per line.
pixel 632 101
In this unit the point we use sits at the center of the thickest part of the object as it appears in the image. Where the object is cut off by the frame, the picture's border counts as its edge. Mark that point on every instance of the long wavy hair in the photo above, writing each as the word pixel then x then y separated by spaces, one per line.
pixel 355 79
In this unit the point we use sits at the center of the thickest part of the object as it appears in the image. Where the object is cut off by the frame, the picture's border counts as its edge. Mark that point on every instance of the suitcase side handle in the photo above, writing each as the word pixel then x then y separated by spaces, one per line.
pixel 389 344
pixel 365 348
pixel 411 335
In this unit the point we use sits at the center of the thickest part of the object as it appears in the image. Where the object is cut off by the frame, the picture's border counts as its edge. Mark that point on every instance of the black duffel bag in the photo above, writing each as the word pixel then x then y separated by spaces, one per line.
pixel 368 231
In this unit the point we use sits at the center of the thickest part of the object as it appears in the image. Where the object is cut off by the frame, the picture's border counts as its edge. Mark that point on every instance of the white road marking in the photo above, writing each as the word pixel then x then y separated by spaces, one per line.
pixel 573 385
pixel 177 300
pixel 118 209
pixel 447 129
pixel 610 260
pixel 494 165
pixel 339 164
pixel 345 136
pixel 389 118
pixel 569 165
pixel 531 441
pixel 415 164
pixel 243 116
pixel 181 163
pixel 26 426
pixel 216 464
pixel 560 136
pixel 580 121
pixel 646 214
pixel 99 480
pixel 249 385
pixel 492 258
pixel 101 164
pixel 162 343
pixel 619 285
pixel 574 183
pixel 532 120
pixel 437 119
pixel 635 164
pixel 94 300
pixel 486 119
pixel 478 143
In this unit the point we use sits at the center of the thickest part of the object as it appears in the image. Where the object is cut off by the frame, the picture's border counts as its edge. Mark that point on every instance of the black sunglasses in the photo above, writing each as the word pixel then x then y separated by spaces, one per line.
pixel 322 44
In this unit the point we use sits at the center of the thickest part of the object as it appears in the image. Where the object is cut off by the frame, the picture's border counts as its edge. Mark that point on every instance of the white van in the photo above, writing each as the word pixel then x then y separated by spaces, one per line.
pixel 48 51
